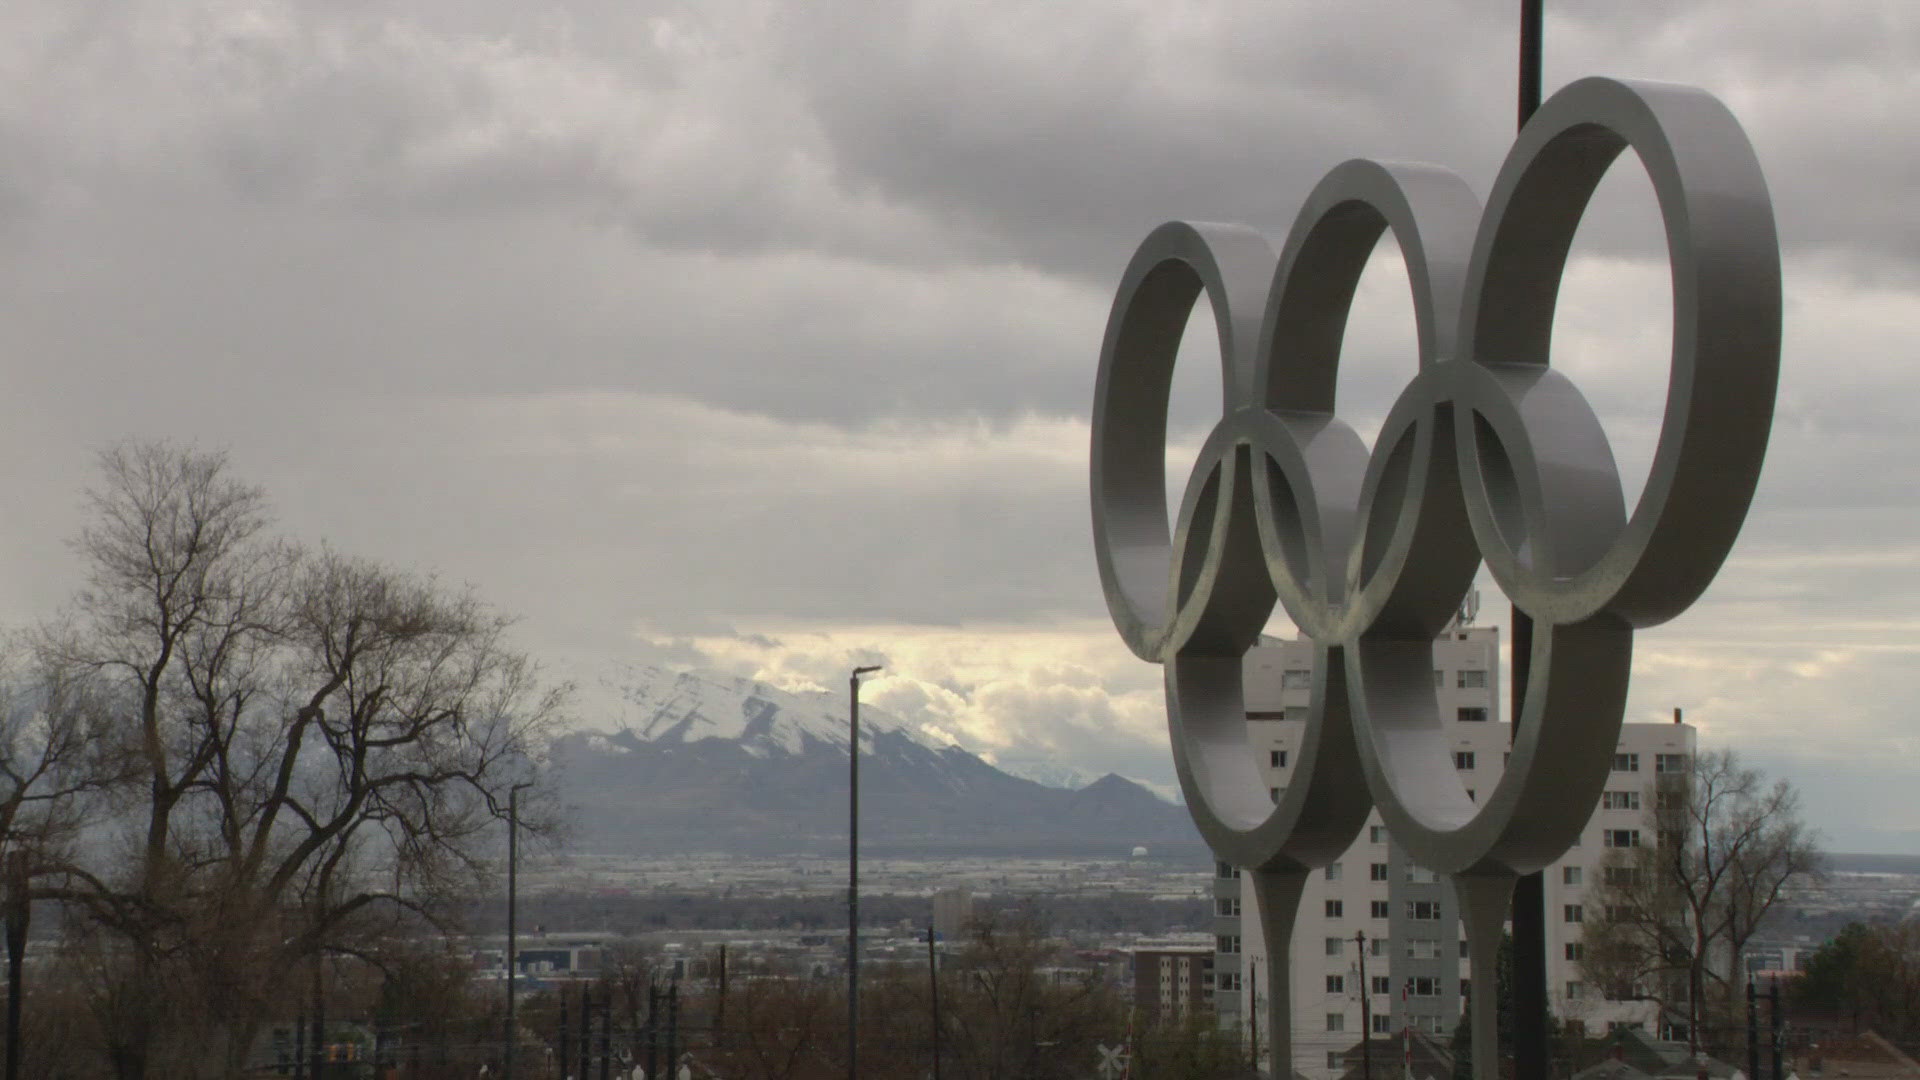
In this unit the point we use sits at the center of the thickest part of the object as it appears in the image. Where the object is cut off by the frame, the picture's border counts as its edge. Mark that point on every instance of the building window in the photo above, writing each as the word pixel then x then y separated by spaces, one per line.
pixel 1383 984
pixel 1669 800
pixel 1439 678
pixel 1296 679
pixel 1382 1024
pixel 1626 763
pixel 1572 913
pixel 1336 1021
pixel 1377 871
pixel 1377 834
pixel 1466 989
pixel 1463 759
pixel 1274 794
pixel 1336 946
pixel 1225 871
pixel 1333 1060
pixel 1381 910
pixel 1623 876
pixel 1420 875
pixel 1336 984
pixel 1575 990
pixel 1576 951
pixel 1333 871
pixel 1228 943
pixel 1423 910
pixel 1620 837
pixel 1423 949
pixel 1227 980
pixel 1471 714
pixel 1377 947
pixel 1227 907
pixel 1619 800
pixel 1277 758
pixel 1571 875
pixel 1335 909
pixel 1669 763
pixel 1618 913
pixel 1471 680
pixel 1423 986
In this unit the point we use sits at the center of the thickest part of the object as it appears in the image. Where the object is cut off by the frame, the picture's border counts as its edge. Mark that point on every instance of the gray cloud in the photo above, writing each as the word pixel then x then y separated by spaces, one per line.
pixel 738 318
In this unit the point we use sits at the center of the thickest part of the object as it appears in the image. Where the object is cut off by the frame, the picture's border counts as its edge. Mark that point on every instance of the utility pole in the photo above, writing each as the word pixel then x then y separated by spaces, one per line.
pixel 720 1007
pixel 653 1028
pixel 673 1029
pixel 513 898
pixel 1779 1025
pixel 853 870
pixel 1253 1013
pixel 1366 1008
pixel 319 1017
pixel 933 990
pixel 586 1031
pixel 19 910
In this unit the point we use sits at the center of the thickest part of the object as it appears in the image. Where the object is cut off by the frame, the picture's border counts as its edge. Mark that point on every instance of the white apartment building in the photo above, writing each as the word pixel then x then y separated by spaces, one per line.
pixel 1415 969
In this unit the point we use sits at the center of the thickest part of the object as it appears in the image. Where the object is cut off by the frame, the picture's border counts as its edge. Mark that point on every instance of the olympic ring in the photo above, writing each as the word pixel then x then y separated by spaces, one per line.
pixel 1488 454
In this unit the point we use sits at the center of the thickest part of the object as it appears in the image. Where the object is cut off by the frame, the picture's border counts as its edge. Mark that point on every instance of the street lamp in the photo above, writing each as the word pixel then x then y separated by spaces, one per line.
pixel 853 872
pixel 513 899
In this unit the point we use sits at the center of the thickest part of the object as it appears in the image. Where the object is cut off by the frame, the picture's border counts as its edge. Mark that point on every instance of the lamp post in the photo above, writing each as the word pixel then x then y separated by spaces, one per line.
pixel 513 899
pixel 853 871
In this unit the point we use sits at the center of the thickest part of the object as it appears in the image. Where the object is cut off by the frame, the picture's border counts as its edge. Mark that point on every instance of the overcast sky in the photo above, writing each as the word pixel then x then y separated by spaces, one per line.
pixel 761 336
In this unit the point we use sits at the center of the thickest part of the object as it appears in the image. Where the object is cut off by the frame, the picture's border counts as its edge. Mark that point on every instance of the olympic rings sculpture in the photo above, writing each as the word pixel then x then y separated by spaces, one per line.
pixel 1488 454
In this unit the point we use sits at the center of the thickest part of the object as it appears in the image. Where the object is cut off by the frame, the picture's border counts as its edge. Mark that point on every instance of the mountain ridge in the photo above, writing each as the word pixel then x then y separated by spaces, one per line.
pixel 702 761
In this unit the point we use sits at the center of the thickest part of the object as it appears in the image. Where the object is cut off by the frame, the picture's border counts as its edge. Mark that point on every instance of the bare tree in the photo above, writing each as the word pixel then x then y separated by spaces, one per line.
pixel 1675 915
pixel 1010 1016
pixel 50 759
pixel 320 745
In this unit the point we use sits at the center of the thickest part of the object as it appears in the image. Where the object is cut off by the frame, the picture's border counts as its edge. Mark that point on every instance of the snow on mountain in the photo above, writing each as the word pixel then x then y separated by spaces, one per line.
pixel 1046 771
pixel 656 704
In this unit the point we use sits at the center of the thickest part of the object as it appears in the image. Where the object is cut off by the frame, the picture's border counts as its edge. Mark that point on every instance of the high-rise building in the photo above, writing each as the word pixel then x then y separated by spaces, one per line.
pixel 1407 917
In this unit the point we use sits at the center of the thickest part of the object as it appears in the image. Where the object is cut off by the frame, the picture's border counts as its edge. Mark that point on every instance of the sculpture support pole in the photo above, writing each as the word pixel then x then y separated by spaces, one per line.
pixel 1277 894
pixel 1530 1043
pixel 1483 908
pixel 1530 1051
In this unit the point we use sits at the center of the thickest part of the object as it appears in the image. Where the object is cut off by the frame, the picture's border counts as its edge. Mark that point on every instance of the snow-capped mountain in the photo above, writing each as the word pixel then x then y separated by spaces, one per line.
pixel 701 761
pixel 662 705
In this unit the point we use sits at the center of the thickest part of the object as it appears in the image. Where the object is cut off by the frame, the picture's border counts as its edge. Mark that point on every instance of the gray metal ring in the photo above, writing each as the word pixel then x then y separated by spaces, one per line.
pixel 1488 453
